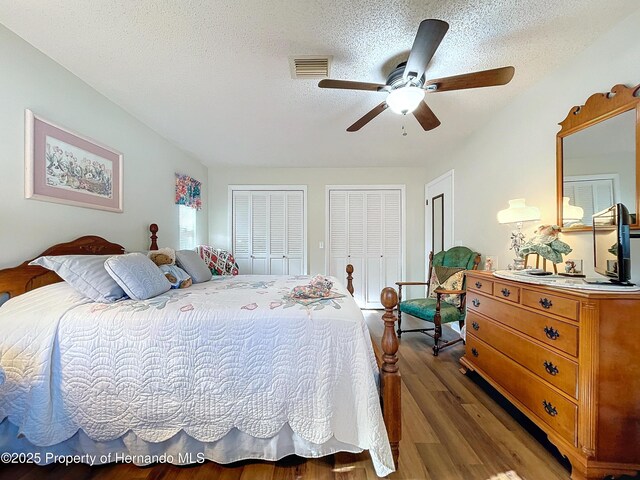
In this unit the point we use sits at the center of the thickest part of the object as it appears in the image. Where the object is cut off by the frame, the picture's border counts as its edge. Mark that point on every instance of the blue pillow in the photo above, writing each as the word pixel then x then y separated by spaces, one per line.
pixel 86 274
pixel 194 265
pixel 138 276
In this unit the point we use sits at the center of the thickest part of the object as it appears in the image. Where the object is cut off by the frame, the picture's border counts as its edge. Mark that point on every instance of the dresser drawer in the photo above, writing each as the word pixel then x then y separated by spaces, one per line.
pixel 553 368
pixel 549 406
pixel 558 334
pixel 480 285
pixel 564 307
pixel 508 292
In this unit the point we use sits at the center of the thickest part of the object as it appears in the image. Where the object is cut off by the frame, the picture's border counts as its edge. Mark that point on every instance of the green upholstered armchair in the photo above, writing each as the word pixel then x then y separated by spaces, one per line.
pixel 436 310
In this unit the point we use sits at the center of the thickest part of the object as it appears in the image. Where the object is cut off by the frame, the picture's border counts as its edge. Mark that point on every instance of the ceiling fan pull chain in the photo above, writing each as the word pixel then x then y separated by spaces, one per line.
pixel 404 131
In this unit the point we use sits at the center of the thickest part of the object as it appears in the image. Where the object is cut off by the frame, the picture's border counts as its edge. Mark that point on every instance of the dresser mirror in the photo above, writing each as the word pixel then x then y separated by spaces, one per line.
pixel 598 158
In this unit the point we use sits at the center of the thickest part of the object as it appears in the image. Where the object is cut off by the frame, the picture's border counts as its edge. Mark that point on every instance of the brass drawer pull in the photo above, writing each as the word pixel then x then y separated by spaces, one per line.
pixel 505 292
pixel 478 284
pixel 551 333
pixel 546 303
pixel 550 409
pixel 550 368
pixel 474 352
pixel 475 325
pixel 476 302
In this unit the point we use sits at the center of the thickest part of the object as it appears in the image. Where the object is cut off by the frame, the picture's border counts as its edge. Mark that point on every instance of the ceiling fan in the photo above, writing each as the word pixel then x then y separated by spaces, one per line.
pixel 406 85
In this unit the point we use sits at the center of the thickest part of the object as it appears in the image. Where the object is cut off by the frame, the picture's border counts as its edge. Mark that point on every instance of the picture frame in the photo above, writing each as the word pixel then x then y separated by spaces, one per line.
pixel 491 263
pixel 62 166
pixel 572 266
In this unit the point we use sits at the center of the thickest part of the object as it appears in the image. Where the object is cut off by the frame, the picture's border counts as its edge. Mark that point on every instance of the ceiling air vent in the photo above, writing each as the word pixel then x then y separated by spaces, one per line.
pixel 310 66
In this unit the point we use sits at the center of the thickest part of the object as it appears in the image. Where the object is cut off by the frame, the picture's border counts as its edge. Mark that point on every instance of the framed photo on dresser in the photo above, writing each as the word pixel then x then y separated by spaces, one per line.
pixel 65 167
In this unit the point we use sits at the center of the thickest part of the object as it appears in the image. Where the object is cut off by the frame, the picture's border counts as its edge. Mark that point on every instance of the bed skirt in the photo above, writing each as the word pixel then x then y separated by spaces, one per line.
pixel 181 449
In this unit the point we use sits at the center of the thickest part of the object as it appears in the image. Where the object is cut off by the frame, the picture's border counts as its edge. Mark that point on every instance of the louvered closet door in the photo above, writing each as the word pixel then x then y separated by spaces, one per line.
pixel 338 233
pixel 241 230
pixel 268 232
pixel 383 241
pixel 294 254
pixel 375 248
pixel 392 239
pixel 286 233
pixel 259 233
pixel 365 230
pixel 356 243
pixel 277 233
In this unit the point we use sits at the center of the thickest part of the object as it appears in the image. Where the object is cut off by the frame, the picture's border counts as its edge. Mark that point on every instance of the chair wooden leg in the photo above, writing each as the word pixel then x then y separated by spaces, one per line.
pixel 437 333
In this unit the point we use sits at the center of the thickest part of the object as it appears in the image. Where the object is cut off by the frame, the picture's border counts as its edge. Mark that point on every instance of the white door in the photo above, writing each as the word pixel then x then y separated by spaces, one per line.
pixel 277 233
pixel 365 230
pixel 259 233
pixel 241 228
pixel 268 231
pixel 439 214
pixel 295 247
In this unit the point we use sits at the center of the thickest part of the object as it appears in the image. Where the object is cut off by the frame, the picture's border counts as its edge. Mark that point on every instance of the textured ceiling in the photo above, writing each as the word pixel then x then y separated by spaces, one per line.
pixel 213 76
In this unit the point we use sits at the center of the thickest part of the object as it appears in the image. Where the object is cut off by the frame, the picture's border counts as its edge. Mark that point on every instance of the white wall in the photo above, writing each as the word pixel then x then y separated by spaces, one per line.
pixel 31 80
pixel 514 154
pixel 316 179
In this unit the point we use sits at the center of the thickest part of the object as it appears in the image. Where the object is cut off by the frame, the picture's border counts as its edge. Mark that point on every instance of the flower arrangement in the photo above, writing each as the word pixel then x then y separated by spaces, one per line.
pixel 546 243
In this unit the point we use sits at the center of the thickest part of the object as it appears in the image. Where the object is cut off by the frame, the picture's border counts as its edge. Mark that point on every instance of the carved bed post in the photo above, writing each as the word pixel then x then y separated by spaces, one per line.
pixel 350 279
pixel 389 373
pixel 153 228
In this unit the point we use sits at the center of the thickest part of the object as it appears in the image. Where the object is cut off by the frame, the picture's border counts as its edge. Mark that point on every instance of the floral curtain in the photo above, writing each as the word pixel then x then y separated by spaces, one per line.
pixel 188 191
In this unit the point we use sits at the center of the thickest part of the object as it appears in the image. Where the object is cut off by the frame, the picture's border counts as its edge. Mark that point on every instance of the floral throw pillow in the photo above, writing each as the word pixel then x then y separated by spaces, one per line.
pixel 446 278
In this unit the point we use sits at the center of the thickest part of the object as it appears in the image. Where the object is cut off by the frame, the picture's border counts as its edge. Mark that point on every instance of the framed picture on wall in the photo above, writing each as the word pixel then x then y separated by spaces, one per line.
pixel 62 166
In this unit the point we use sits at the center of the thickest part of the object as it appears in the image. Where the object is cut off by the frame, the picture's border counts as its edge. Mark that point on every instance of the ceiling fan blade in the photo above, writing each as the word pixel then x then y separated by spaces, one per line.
pixel 426 117
pixel 349 85
pixel 430 34
pixel 485 78
pixel 368 117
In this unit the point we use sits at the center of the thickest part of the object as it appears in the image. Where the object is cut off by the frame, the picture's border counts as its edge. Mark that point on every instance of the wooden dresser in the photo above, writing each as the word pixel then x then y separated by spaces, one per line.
pixel 568 359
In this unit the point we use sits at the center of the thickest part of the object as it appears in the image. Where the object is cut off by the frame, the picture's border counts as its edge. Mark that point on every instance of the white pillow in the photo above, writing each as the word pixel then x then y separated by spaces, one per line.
pixel 86 274
pixel 138 276
pixel 194 265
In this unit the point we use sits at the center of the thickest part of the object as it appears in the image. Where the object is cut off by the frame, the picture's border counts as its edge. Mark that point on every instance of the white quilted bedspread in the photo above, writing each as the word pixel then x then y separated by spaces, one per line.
pixel 232 352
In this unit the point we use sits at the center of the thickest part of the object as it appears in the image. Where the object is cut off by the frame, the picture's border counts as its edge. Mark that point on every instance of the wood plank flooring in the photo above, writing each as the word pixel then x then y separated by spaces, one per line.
pixel 455 427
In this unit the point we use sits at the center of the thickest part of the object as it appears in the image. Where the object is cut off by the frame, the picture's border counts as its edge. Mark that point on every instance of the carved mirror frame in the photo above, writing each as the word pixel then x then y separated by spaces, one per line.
pixel 597 108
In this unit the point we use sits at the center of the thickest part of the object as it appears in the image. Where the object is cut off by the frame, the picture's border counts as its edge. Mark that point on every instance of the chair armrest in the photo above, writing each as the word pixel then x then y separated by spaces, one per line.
pixel 439 291
pixel 412 283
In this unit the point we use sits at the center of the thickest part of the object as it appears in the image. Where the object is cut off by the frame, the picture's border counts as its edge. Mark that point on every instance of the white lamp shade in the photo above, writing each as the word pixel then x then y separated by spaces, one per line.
pixel 405 99
pixel 518 212
pixel 571 213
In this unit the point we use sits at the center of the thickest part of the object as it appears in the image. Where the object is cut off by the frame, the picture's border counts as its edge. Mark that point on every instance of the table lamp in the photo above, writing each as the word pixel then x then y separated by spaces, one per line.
pixel 518 212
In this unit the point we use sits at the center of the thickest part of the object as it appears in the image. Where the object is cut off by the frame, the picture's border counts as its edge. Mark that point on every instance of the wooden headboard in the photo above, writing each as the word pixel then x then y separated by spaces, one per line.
pixel 18 280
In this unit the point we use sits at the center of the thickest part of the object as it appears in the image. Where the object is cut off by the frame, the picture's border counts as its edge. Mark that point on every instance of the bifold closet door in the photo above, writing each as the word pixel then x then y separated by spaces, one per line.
pixel 241 230
pixel 365 229
pixel 346 238
pixel 383 243
pixel 286 233
pixel 268 232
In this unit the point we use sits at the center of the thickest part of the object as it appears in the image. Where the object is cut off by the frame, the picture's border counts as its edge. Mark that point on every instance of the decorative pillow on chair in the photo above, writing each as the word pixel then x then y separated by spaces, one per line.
pixel 219 261
pixel 446 278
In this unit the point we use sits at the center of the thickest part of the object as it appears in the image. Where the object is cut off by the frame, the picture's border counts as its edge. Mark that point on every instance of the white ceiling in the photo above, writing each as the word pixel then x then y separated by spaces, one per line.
pixel 213 76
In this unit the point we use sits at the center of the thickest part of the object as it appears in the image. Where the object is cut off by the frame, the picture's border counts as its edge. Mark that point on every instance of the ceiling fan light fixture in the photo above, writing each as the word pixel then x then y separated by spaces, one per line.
pixel 405 99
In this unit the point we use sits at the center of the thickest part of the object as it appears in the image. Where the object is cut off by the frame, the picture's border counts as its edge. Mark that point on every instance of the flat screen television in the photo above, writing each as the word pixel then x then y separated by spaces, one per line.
pixel 611 244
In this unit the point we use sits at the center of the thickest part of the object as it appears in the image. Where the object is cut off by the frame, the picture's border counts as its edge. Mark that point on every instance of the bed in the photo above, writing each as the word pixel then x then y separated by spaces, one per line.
pixel 225 370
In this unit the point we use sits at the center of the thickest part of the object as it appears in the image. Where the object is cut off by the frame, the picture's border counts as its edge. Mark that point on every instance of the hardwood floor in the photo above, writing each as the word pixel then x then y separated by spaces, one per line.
pixel 455 427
